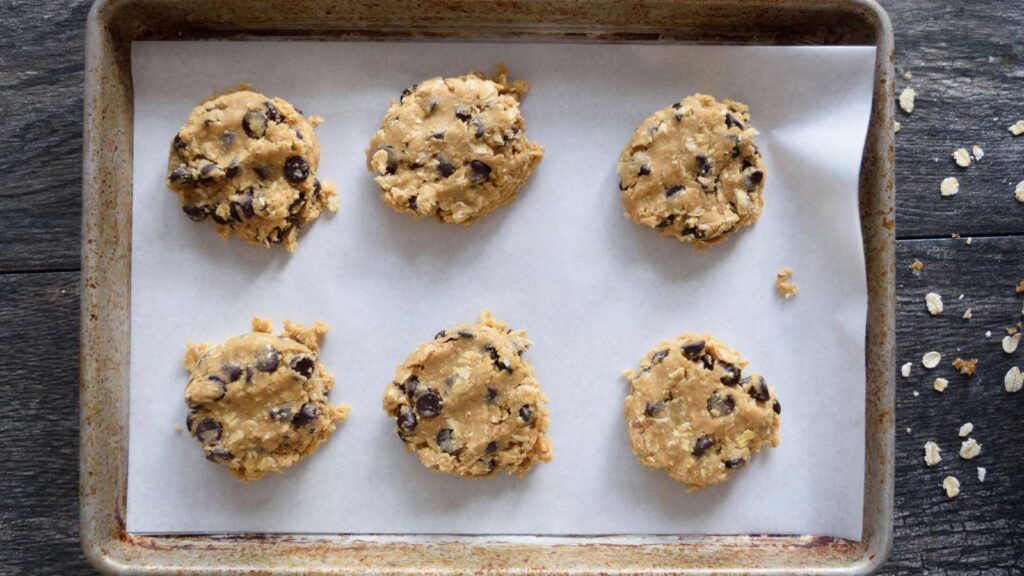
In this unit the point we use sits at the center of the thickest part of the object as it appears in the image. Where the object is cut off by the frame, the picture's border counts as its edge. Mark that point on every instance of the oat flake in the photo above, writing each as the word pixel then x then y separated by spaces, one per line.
pixel 962 157
pixel 1018 192
pixel 931 359
pixel 949 187
pixel 1010 343
pixel 1014 380
pixel 952 486
pixel 940 384
pixel 905 369
pixel 907 104
pixel 981 474
pixel 966 429
pixel 977 152
pixel 967 314
pixel 1016 129
pixel 969 449
pixel 934 303
pixel 932 454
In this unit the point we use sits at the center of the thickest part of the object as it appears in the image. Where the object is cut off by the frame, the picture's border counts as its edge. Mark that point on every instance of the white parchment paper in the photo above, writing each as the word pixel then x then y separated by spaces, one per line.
pixel 594 290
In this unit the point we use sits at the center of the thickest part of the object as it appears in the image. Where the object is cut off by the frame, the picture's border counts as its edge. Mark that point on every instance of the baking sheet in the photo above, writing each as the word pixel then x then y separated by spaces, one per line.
pixel 594 290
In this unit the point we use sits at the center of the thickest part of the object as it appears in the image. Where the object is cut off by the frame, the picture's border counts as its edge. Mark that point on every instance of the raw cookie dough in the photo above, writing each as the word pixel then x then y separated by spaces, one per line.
pixel 466 402
pixel 258 402
pixel 693 412
pixel 453 148
pixel 248 163
pixel 692 171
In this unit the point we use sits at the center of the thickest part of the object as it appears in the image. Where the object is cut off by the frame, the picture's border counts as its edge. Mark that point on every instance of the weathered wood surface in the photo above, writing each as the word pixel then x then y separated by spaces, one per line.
pixel 965 58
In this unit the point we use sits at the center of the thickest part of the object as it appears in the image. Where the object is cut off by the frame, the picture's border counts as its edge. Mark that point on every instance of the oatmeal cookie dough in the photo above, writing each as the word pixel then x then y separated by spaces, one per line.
pixel 467 404
pixel 692 171
pixel 694 412
pixel 248 164
pixel 258 402
pixel 453 148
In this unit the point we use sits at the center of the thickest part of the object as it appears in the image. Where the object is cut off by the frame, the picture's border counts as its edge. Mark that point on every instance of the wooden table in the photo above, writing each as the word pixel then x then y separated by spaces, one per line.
pixel 966 62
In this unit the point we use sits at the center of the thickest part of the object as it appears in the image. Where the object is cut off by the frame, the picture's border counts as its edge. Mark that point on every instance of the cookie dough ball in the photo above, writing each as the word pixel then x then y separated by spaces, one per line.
pixel 453 148
pixel 248 164
pixel 258 402
pixel 692 171
pixel 694 412
pixel 467 404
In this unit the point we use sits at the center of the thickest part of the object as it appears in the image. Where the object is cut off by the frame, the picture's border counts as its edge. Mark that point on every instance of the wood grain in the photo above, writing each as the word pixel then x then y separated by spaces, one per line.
pixel 966 61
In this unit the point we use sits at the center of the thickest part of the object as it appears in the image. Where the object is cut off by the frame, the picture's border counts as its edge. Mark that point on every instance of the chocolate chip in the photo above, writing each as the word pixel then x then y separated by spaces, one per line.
pixel 479 171
pixel 219 454
pixel 652 408
pixel 429 405
pixel 407 420
pixel 731 122
pixel 181 175
pixel 412 203
pixel 273 114
pixel 526 413
pixel 195 213
pixel 305 415
pixel 658 357
pixel 232 170
pixel 408 90
pixel 734 463
pixel 703 165
pixel 296 170
pixel 254 122
pixel 481 130
pixel 645 170
pixel 242 209
pixel 702 445
pixel 759 390
pixel 227 138
pixel 693 350
pixel 189 421
pixel 219 383
pixel 268 360
pixel 304 365
pixel 281 413
pixel 499 362
pixel 208 172
pixel 491 448
pixel 720 404
pixel 462 113
pixel 755 177
pixel 444 167
pixel 677 105
pixel 207 430
pixel 672 190
pixel 438 136
pixel 708 361
pixel 622 187
pixel 776 407
pixel 465 334
pixel 316 188
pixel 440 334
pixel 410 386
pixel 445 441
pixel 692 230
pixel 746 164
pixel 179 142
pixel 492 395
pixel 732 375
pixel 667 221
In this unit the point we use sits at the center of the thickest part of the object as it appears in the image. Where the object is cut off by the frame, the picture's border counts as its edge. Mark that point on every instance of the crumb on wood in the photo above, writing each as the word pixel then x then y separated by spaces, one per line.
pixel 967 314
pixel 916 265
pixel 932 453
pixel 934 303
pixel 1018 192
pixel 905 369
pixel 982 472
pixel 907 102
pixel 977 152
pixel 896 126
pixel 1017 128
pixel 969 449
pixel 949 187
pixel 966 367
pixel 952 486
pixel 786 288
pixel 966 429
pixel 940 384
pixel 962 157
pixel 1019 288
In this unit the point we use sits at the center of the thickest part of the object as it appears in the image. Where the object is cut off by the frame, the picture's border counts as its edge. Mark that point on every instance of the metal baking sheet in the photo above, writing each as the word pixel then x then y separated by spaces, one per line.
pixel 107 246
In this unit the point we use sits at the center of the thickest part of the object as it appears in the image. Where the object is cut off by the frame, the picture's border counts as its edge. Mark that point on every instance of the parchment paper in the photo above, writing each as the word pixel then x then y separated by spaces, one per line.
pixel 594 290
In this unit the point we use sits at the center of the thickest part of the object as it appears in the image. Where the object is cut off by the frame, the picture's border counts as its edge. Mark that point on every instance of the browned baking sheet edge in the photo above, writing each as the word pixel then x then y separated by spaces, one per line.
pixel 114 24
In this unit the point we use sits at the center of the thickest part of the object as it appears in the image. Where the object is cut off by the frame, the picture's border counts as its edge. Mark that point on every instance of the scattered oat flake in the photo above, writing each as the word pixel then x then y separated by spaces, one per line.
pixel 962 157
pixel 940 384
pixel 1014 380
pixel 931 359
pixel 966 429
pixel 967 314
pixel 932 454
pixel 905 369
pixel 981 473
pixel 916 393
pixel 969 240
pixel 949 187
pixel 916 265
pixel 977 152
pixel 909 431
pixel 908 76
pixel 952 486
pixel 988 333
pixel 1010 343
pixel 896 126
pixel 782 284
pixel 1018 192
pixel 969 449
pixel 966 367
pixel 1016 129
pixel 907 104
pixel 934 303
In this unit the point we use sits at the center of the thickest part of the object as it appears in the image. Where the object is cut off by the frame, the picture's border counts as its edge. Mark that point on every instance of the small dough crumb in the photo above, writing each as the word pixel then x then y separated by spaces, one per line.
pixel 786 288
pixel 966 429
pixel 969 449
pixel 940 384
pixel 1017 128
pixel 962 157
pixel 1014 380
pixel 977 152
pixel 931 359
pixel 1019 288
pixel 967 314
pixel 932 454
pixel 981 473
pixel 907 103
pixel 952 486
pixel 966 367
pixel 916 265
pixel 896 126
pixel 949 187
pixel 905 369
pixel 934 303
pixel 1010 343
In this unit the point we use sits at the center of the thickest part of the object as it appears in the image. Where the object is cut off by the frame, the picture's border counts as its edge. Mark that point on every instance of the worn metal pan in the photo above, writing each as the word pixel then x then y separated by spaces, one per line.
pixel 107 191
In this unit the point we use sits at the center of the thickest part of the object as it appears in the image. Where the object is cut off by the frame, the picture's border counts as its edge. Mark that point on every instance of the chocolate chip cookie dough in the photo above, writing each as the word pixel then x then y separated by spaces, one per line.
pixel 258 402
pixel 692 171
pixel 248 164
pixel 692 411
pixel 467 404
pixel 453 148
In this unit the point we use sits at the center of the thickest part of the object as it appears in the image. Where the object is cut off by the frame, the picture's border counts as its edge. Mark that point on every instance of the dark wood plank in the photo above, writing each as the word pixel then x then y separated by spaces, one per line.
pixel 982 530
pixel 967 62
pixel 41 71
pixel 39 424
